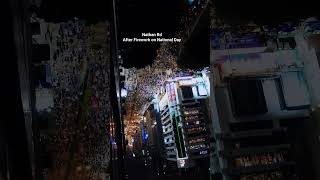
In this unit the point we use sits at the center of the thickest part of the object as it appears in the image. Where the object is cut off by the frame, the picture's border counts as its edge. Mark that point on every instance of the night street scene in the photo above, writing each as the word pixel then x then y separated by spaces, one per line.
pixel 161 90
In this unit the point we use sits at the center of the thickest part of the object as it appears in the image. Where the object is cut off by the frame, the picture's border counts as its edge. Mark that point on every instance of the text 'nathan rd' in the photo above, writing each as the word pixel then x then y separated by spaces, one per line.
pixel 151 37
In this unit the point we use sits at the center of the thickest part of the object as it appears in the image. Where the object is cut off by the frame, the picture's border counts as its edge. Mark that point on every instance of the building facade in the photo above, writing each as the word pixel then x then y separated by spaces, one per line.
pixel 261 95
pixel 184 119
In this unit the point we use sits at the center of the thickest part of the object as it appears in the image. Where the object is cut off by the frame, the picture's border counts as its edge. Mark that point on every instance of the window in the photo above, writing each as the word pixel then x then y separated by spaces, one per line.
pixel 247 97
pixel 187 92
pixel 287 43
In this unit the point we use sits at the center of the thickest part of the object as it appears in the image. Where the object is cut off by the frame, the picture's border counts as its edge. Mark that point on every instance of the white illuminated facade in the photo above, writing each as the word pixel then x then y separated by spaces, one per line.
pixel 183 117
pixel 259 89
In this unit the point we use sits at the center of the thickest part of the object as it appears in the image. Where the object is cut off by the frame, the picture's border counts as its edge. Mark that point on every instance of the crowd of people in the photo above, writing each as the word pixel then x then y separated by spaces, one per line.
pixel 67 64
pixel 151 78
pixel 80 81
pixel 95 138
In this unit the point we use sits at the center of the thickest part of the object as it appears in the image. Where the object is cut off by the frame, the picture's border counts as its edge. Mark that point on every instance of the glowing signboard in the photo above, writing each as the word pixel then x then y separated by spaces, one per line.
pixel 202 90
pixel 187 82
pixel 181 163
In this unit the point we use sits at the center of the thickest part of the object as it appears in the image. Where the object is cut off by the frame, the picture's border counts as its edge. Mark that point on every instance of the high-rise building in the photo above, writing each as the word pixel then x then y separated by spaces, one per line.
pixel 308 48
pixel 260 103
pixel 184 118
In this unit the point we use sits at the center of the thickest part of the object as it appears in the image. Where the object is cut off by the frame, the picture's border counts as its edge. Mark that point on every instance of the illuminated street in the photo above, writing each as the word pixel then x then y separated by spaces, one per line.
pixel 161 90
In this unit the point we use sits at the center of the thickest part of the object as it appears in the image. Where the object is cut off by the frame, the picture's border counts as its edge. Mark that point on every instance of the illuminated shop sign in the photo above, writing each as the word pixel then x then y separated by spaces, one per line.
pixel 203 152
pixel 187 82
pixel 181 163
pixel 202 90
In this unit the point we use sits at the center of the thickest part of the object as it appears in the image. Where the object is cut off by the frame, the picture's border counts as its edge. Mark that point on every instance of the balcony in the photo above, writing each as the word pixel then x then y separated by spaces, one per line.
pixel 185 108
pixel 164 111
pixel 193 118
pixel 197 141
pixel 198 123
pixel 250 133
pixel 196 130
pixel 258 169
pixel 254 150
pixel 163 116
pixel 193 111
pixel 168 131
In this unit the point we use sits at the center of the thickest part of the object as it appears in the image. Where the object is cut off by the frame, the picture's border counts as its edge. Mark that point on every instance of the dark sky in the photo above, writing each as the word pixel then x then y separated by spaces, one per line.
pixel 196 52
